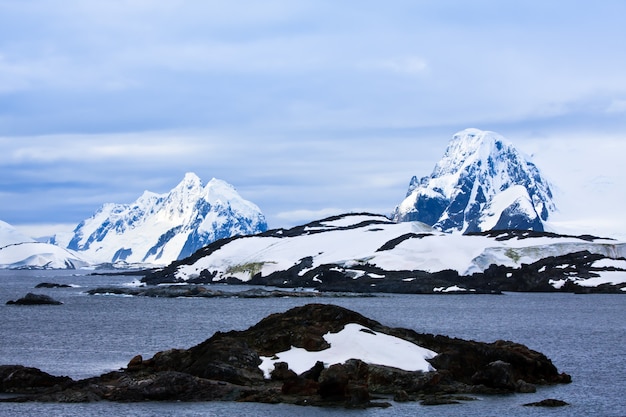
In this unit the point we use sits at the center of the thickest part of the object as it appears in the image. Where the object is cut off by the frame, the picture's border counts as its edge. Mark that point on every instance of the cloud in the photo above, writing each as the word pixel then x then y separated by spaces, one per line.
pixel 304 215
pixel 408 65
pixel 305 105
pixel 617 106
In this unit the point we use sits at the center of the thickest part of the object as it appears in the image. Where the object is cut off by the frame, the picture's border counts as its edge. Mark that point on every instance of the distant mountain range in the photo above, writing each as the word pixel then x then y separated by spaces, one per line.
pixel 491 196
pixel 482 183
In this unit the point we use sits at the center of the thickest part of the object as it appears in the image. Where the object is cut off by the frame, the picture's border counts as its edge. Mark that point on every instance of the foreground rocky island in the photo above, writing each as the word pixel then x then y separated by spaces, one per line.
pixel 317 354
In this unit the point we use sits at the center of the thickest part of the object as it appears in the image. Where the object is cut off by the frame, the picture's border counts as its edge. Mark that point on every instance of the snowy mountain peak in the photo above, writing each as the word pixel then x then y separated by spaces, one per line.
pixel 466 146
pixel 475 169
pixel 160 228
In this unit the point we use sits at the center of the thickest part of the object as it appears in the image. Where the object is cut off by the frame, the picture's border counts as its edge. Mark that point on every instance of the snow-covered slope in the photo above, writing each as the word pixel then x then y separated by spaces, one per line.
pixel 160 228
pixel 10 235
pixel 481 183
pixel 354 245
pixel 20 251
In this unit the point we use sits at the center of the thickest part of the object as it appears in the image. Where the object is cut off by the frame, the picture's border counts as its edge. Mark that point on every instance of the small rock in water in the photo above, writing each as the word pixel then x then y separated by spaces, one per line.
pixel 35 299
pixel 550 402
pixel 52 285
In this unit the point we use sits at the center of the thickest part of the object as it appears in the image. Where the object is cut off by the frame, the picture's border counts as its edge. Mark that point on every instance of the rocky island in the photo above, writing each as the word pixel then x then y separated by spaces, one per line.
pixel 317 354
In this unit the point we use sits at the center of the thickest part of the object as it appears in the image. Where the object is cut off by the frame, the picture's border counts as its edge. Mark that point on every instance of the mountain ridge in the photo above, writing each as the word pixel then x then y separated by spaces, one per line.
pixel 160 228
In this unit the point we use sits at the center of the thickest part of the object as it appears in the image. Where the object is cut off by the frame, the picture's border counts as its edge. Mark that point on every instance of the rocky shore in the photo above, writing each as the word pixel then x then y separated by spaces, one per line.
pixel 226 367
pixel 203 291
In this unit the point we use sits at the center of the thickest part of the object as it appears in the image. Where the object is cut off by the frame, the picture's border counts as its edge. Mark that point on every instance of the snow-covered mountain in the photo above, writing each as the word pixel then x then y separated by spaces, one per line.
pixel 482 183
pixel 160 228
pixel 20 251
pixel 356 252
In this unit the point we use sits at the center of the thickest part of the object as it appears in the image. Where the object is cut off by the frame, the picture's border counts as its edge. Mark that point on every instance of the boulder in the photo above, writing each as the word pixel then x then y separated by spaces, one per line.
pixel 497 374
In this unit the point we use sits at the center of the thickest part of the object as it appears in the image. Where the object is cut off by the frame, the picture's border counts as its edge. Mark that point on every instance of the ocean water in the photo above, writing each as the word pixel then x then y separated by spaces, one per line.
pixel 584 335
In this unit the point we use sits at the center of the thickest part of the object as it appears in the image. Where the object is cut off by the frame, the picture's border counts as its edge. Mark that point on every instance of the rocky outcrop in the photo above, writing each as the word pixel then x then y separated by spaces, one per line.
pixel 34 299
pixel 549 402
pixel 202 291
pixel 226 367
pixel 52 285
pixel 22 379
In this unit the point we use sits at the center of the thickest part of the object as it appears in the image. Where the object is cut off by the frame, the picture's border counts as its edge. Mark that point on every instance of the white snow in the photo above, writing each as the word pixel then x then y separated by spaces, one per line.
pixel 454 288
pixel 347 248
pixel 353 343
pixel 38 255
pixel 606 277
pixel 608 263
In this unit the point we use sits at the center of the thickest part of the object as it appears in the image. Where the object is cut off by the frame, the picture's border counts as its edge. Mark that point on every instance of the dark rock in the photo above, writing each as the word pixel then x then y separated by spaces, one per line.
pixel 135 363
pixel 199 291
pixel 401 396
pixel 35 299
pixel 52 285
pixel 282 372
pixel 22 379
pixel 550 402
pixel 524 387
pixel 300 386
pixel 315 372
pixel 439 401
pixel 497 375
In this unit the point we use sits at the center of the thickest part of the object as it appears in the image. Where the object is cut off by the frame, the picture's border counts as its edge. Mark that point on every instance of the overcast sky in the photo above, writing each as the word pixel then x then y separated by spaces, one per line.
pixel 308 108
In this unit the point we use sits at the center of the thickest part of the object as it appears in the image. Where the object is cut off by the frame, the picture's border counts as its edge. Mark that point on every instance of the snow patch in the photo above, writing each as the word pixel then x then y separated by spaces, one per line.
pixel 355 342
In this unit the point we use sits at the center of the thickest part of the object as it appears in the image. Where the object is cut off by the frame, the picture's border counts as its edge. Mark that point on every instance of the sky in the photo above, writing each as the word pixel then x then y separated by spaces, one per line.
pixel 309 108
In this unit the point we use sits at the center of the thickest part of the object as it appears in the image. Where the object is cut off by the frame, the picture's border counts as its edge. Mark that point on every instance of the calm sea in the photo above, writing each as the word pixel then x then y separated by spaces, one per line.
pixel 584 335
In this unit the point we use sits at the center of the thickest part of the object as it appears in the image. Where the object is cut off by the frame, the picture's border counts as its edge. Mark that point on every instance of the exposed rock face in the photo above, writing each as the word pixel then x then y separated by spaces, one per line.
pixel 226 367
pixel 35 299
